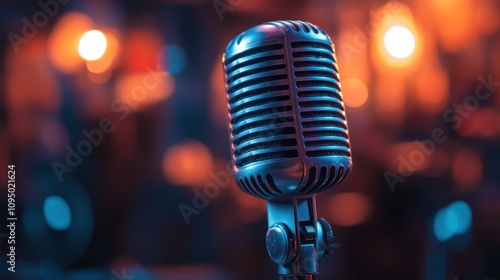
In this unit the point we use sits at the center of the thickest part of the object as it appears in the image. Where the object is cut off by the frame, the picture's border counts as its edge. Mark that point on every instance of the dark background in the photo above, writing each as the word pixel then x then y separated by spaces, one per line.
pixel 124 196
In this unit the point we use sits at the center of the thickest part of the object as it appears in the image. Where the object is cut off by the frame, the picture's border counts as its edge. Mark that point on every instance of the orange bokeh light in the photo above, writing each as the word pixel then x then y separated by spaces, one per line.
pixel 467 169
pixel 432 89
pixel 140 89
pixel 188 164
pixel 109 58
pixel 143 44
pixel 392 43
pixel 453 21
pixel 355 92
pixel 64 40
pixel 92 45
pixel 349 209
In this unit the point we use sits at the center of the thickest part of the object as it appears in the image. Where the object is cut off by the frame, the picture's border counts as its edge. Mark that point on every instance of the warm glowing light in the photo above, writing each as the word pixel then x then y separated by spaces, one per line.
pixel 467 170
pixel 99 78
pixel 411 154
pixel 390 90
pixel 454 24
pixel 92 45
pixel 349 209
pixel 483 123
pixel 63 42
pixel 431 99
pixel 145 44
pixel 355 92
pixel 109 58
pixel 188 164
pixel 399 42
pixel 138 90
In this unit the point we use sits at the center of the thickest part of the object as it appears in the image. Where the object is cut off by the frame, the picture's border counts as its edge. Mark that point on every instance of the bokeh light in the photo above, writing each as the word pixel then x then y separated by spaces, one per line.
pixel 432 99
pixel 92 45
pixel 399 42
pixel 188 164
pixel 403 67
pixel 144 43
pixel 454 22
pixel 109 57
pixel 467 170
pixel 452 220
pixel 64 39
pixel 173 59
pixel 57 213
pixel 349 209
pixel 138 90
pixel 355 92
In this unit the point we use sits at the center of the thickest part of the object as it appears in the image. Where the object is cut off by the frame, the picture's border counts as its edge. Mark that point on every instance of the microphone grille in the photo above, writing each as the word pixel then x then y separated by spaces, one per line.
pixel 261 114
pixel 287 121
pixel 322 112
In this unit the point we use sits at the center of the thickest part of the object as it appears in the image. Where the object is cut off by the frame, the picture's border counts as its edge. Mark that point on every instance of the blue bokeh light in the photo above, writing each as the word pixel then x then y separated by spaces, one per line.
pixel 57 213
pixel 173 59
pixel 452 220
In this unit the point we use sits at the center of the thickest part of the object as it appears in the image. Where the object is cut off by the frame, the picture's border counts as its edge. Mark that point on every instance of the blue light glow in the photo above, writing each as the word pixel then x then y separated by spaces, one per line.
pixel 173 59
pixel 452 220
pixel 57 213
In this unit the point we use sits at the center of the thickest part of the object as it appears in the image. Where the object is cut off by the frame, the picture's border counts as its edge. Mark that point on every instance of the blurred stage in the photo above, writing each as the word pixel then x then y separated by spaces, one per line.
pixel 114 115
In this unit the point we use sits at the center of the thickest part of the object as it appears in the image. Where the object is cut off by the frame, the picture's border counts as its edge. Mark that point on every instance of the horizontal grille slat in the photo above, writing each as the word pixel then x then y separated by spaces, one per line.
pixel 255 71
pixel 301 84
pixel 267 156
pixel 320 93
pixel 324 143
pixel 321 104
pixel 264 134
pixel 259 113
pixel 300 64
pixel 315 74
pixel 260 91
pixel 324 133
pixel 283 120
pixel 312 54
pixel 231 68
pixel 311 45
pixel 290 142
pixel 254 51
pixel 259 102
pixel 327 153
pixel 307 124
pixel 322 114
pixel 256 81
pixel 260 108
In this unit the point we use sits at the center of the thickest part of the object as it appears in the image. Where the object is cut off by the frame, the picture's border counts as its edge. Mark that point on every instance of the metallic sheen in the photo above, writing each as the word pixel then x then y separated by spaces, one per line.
pixel 288 127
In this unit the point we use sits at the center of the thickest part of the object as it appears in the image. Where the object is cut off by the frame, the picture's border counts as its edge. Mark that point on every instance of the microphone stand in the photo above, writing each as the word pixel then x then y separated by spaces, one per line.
pixel 296 240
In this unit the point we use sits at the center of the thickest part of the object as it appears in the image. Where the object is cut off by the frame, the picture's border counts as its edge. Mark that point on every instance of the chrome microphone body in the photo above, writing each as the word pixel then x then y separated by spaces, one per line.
pixel 288 133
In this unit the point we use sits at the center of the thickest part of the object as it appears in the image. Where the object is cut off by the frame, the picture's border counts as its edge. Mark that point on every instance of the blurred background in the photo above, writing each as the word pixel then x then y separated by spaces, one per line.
pixel 114 115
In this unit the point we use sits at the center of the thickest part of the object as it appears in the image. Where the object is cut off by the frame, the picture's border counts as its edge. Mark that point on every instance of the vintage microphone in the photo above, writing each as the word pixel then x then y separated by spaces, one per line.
pixel 288 134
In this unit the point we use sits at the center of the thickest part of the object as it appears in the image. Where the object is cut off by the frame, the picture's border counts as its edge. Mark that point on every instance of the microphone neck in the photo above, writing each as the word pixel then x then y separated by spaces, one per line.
pixel 293 239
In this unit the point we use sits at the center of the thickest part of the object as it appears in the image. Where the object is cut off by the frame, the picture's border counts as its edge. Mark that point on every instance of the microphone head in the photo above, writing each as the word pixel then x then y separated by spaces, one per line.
pixel 287 122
